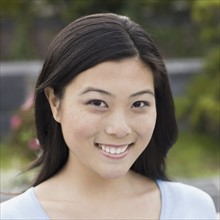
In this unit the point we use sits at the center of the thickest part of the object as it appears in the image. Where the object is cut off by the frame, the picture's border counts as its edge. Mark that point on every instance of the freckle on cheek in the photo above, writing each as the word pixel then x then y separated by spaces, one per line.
pixel 83 125
pixel 145 126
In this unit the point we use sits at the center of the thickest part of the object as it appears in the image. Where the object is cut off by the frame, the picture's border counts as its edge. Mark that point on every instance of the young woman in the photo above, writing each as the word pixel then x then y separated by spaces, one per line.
pixel 105 121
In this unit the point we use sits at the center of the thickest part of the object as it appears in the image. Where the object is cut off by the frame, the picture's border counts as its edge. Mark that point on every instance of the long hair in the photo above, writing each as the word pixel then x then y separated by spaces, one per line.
pixel 81 45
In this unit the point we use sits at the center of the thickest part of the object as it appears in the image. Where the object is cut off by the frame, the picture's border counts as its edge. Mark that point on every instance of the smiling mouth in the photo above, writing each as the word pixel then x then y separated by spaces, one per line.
pixel 114 150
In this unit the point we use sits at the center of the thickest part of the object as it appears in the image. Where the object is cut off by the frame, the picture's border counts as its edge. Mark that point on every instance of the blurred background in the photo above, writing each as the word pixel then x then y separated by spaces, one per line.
pixel 187 33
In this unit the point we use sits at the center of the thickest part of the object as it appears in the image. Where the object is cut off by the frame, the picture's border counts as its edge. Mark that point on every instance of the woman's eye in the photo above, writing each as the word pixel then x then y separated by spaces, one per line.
pixel 140 104
pixel 97 103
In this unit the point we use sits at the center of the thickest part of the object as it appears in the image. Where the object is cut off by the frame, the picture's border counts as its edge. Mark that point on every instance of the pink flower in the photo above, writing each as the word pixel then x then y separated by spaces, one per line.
pixel 34 144
pixel 15 122
pixel 28 103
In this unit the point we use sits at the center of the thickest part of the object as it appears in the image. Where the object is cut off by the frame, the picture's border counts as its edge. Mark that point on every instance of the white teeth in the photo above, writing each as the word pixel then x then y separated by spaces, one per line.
pixel 118 150
pixel 124 148
pixel 113 150
pixel 107 149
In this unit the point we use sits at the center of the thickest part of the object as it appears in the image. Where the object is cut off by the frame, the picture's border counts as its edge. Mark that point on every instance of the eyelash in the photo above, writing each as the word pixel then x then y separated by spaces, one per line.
pixel 95 103
pixel 146 104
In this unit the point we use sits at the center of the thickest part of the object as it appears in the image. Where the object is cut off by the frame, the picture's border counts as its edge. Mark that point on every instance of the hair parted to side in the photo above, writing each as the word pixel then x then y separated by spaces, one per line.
pixel 81 45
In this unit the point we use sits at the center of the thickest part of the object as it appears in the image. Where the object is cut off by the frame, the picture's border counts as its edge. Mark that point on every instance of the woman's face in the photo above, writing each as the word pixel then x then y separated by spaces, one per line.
pixel 107 115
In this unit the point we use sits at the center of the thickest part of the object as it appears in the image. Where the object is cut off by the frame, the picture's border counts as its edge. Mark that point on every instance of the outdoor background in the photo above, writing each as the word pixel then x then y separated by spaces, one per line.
pixel 186 31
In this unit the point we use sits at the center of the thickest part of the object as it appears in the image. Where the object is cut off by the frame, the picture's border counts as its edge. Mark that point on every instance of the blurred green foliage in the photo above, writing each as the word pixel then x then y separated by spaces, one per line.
pixel 194 155
pixel 21 146
pixel 168 21
pixel 23 14
pixel 201 105
pixel 207 14
pixel 22 140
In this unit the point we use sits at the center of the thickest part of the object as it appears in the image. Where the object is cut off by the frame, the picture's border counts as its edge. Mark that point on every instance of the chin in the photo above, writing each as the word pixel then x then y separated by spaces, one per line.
pixel 111 175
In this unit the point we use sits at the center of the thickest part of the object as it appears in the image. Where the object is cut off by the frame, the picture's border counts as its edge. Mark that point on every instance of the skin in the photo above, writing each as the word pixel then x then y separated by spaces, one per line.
pixel 113 104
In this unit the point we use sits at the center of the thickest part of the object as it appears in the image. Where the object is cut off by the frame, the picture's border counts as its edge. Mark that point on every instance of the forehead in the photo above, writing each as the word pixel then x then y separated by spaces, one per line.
pixel 130 72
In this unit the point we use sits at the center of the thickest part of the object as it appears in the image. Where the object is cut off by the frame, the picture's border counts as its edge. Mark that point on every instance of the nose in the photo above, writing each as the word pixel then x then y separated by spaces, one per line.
pixel 117 125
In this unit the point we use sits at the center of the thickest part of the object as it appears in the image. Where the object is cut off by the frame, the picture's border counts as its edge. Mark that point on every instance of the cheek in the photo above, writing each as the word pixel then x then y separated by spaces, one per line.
pixel 146 125
pixel 78 125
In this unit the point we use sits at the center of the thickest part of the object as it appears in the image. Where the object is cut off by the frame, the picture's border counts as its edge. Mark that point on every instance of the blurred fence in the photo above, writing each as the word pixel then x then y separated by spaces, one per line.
pixel 17 81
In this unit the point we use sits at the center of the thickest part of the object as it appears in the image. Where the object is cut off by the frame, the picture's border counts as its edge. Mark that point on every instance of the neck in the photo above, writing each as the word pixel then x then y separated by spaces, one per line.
pixel 78 178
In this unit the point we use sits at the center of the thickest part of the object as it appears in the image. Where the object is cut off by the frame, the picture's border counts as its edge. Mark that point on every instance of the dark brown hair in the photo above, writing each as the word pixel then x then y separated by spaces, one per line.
pixel 83 44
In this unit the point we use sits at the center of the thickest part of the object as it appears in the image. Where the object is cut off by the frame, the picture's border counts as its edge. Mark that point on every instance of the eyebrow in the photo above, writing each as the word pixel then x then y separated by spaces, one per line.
pixel 147 91
pixel 93 89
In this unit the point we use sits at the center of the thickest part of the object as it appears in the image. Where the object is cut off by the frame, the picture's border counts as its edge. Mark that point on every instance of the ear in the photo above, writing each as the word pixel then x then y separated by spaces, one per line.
pixel 54 102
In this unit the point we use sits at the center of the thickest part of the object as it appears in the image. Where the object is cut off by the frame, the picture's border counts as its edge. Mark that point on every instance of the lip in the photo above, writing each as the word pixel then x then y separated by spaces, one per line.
pixel 114 145
pixel 114 156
